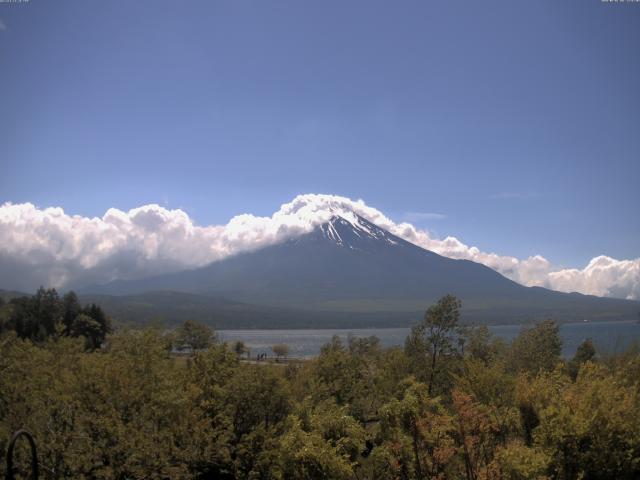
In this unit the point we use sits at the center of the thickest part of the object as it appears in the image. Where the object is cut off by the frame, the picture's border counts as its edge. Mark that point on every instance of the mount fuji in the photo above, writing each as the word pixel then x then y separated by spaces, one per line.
pixel 346 272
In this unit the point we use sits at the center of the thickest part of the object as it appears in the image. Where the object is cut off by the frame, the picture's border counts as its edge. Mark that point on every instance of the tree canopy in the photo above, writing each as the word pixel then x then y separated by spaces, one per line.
pixel 280 349
pixel 137 410
pixel 194 336
pixel 45 314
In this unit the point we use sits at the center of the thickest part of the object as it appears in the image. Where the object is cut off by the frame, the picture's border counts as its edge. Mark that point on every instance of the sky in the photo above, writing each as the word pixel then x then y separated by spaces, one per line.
pixel 512 126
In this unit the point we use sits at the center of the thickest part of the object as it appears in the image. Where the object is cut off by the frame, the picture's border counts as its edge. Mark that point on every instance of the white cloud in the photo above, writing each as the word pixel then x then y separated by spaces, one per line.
pixel 603 276
pixel 48 246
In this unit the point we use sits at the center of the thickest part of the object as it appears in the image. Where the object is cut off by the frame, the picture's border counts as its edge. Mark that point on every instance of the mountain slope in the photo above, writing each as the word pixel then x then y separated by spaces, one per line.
pixel 349 265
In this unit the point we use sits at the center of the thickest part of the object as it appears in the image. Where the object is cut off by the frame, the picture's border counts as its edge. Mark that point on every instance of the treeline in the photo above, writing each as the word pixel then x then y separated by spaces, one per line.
pixel 45 314
pixel 454 403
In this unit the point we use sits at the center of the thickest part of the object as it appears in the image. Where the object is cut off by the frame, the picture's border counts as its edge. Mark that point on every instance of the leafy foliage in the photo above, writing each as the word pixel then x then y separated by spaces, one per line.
pixel 280 349
pixel 134 409
pixel 432 343
pixel 194 336
pixel 46 315
pixel 536 348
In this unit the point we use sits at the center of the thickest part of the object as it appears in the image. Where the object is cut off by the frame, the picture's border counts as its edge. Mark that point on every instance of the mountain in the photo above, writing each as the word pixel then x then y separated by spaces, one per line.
pixel 355 271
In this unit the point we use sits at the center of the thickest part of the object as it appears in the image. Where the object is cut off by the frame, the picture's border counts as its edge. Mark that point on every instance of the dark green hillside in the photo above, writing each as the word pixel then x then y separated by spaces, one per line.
pixel 169 308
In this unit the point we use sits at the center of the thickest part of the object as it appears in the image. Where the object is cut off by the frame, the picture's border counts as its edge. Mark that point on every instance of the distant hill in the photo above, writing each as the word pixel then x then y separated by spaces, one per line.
pixel 171 308
pixel 7 295
pixel 347 272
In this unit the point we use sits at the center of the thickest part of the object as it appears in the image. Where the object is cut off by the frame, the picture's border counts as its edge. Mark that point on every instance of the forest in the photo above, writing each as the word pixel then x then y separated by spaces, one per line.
pixel 453 403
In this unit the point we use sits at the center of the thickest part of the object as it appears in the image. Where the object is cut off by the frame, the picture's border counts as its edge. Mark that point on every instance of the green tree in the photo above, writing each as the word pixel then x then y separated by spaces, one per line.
pixel 431 341
pixel 194 336
pixel 516 461
pixel 240 348
pixel 536 348
pixel 135 410
pixel 280 349
pixel 416 431
pixel 126 413
pixel 578 421
pixel 585 353
pixel 307 455
pixel 34 317
pixel 72 309
pixel 475 433
pixel 47 310
pixel 37 317
pixel 6 315
pixel 494 387
pixel 85 326
pixel 481 344
pixel 103 322
pixel 45 315
pixel 359 377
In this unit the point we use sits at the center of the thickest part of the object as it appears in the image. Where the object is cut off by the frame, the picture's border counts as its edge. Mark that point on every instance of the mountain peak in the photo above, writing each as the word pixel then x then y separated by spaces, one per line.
pixel 350 230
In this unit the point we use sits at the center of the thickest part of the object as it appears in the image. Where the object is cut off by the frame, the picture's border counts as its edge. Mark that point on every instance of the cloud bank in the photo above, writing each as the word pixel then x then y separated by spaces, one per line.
pixel 49 247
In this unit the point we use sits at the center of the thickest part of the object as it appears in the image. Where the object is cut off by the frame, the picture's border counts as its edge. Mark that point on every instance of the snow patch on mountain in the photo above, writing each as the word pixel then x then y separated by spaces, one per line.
pixel 353 231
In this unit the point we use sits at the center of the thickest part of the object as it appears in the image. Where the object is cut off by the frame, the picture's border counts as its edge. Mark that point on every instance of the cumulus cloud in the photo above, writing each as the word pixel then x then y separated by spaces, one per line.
pixel 50 247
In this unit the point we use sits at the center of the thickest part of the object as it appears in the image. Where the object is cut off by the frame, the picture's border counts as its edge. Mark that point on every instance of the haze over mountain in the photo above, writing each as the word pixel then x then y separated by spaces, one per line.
pixel 349 271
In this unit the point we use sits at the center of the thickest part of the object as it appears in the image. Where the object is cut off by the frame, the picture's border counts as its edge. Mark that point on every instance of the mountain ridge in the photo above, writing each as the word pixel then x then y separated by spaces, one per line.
pixel 349 265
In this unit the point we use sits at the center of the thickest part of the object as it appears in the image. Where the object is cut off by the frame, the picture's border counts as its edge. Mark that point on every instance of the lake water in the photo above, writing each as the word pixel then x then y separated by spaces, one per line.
pixel 609 337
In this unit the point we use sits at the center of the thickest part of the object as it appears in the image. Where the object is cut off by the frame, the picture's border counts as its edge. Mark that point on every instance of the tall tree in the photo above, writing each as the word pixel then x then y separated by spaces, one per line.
pixel 194 336
pixel 281 350
pixel 47 310
pixel 418 430
pixel 536 348
pixel 72 309
pixel 586 352
pixel 240 348
pixel 433 339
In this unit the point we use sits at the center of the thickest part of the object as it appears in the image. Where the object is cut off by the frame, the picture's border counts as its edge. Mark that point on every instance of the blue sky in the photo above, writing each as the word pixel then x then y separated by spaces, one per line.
pixel 517 123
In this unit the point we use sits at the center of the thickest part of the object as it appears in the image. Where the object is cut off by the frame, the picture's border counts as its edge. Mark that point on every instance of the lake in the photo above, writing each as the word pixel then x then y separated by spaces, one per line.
pixel 609 337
